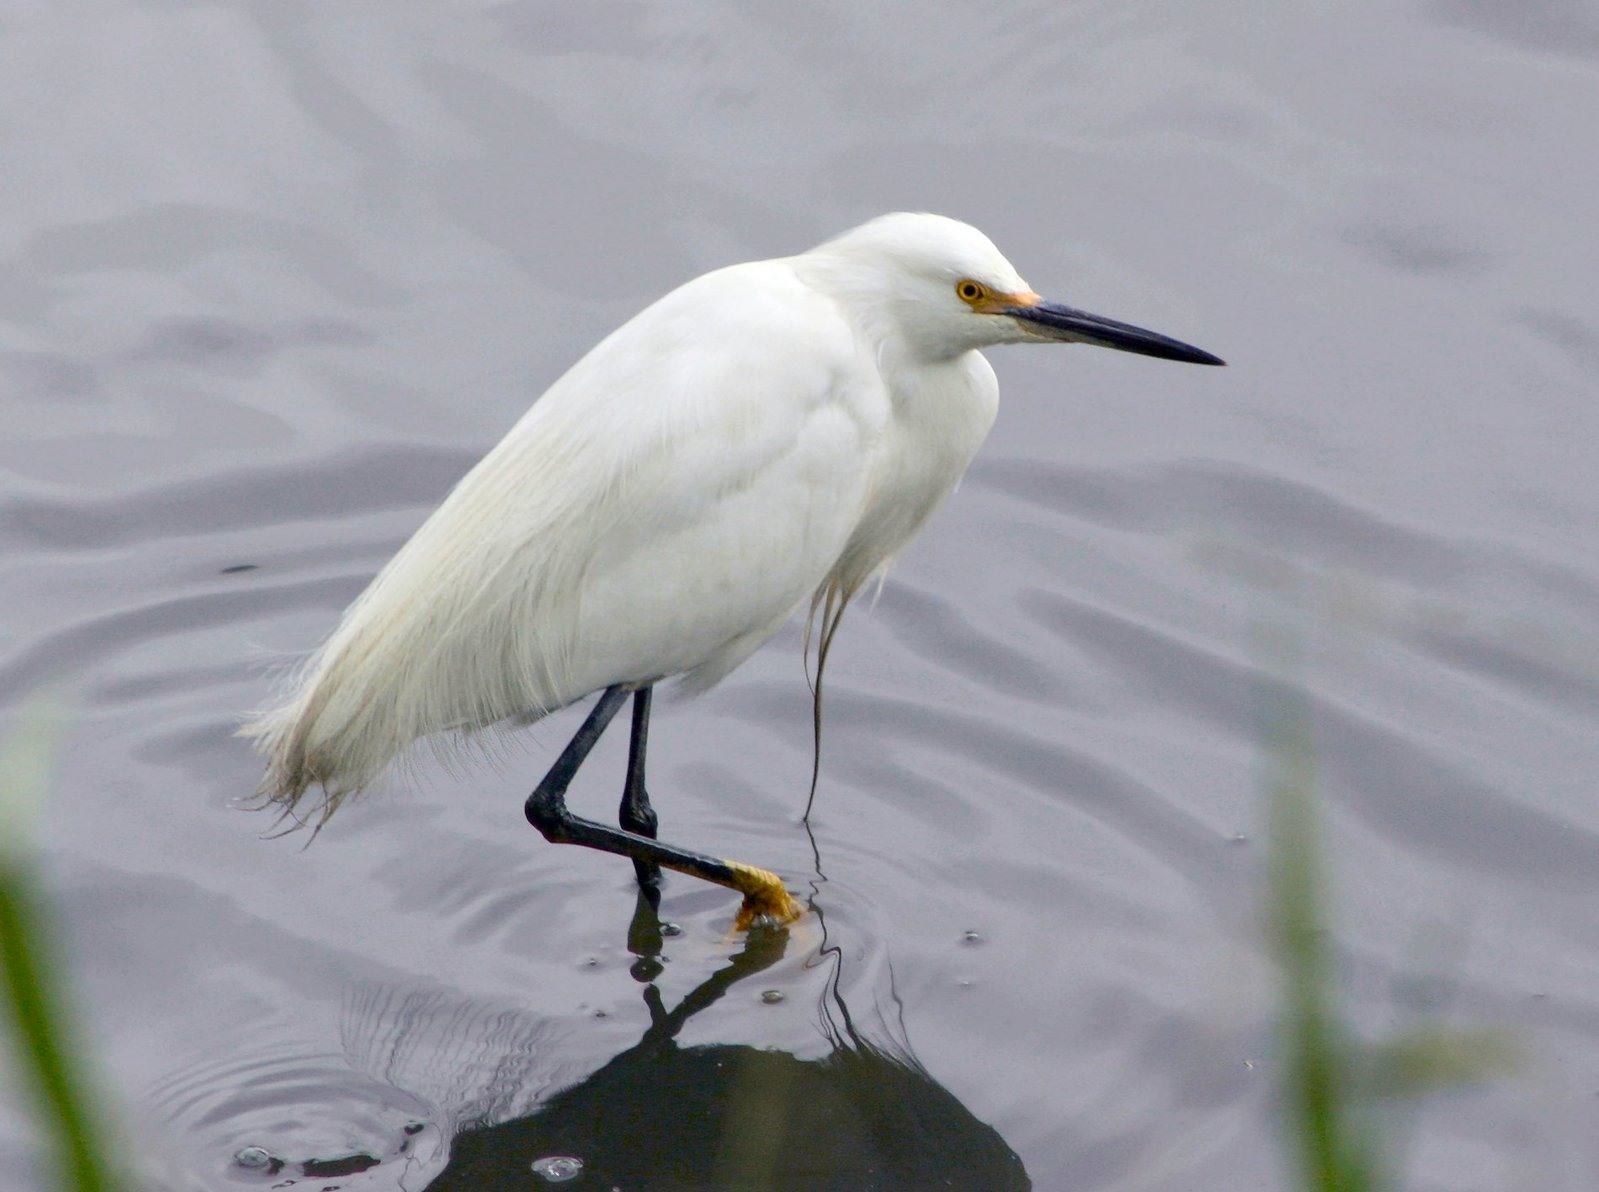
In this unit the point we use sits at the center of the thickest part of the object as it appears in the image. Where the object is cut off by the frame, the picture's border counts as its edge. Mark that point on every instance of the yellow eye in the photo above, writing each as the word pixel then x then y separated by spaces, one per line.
pixel 971 291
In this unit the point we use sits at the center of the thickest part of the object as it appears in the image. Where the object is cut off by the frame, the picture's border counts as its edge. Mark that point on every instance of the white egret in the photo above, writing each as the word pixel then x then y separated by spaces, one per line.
pixel 767 435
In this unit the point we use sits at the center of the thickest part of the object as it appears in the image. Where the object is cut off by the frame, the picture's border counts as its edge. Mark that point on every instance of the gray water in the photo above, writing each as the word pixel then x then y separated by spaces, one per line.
pixel 273 275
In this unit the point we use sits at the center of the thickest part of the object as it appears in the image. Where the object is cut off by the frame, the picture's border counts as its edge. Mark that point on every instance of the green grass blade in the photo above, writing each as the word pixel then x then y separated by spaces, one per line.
pixel 42 1040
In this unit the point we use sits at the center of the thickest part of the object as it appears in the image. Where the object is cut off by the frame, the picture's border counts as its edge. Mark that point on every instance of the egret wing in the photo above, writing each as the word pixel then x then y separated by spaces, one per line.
pixel 659 511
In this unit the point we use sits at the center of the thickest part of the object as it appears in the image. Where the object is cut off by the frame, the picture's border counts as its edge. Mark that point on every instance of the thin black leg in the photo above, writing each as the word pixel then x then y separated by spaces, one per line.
pixel 764 895
pixel 636 814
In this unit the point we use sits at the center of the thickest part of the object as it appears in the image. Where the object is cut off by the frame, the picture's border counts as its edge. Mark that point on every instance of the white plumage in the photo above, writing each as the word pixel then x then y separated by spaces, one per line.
pixel 765 435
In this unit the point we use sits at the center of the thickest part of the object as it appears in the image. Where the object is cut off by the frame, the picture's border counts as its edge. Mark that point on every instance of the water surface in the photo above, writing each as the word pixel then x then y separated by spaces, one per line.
pixel 273 275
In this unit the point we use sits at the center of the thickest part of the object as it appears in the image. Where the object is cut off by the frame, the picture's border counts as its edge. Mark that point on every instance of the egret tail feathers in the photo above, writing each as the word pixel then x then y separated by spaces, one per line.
pixel 304 762
pixel 359 704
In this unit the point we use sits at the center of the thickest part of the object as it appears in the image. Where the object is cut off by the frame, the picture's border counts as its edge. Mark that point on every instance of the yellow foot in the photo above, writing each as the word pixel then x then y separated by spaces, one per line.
pixel 765 899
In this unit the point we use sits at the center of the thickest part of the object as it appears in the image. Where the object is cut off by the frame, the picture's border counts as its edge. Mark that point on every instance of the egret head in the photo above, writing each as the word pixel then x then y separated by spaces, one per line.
pixel 949 290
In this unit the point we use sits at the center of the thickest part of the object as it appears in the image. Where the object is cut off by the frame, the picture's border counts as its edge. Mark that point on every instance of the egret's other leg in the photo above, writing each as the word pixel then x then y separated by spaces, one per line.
pixel 636 814
pixel 764 895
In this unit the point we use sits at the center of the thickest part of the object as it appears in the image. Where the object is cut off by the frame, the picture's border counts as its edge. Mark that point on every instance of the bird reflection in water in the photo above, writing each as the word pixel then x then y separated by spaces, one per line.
pixel 664 1116
pixel 417 1066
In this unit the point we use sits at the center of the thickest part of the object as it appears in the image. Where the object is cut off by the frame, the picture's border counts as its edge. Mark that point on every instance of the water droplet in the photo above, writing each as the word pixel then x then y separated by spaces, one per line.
pixel 671 929
pixel 971 937
pixel 254 1158
pixel 1239 838
pixel 646 968
pixel 558 1169
pixel 601 1014
pixel 772 996
pixel 591 962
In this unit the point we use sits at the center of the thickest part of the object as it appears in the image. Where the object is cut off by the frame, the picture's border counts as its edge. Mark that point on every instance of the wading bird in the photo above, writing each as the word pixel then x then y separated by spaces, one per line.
pixel 766 436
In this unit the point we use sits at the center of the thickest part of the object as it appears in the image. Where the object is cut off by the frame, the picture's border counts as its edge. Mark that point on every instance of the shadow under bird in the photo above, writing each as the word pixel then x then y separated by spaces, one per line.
pixel 764 438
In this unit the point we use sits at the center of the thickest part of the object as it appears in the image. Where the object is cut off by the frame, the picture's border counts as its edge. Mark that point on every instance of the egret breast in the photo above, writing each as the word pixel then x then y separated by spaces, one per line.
pixel 941 413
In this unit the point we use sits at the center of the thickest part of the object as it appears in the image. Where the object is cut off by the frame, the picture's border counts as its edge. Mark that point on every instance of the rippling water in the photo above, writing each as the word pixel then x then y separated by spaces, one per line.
pixel 274 275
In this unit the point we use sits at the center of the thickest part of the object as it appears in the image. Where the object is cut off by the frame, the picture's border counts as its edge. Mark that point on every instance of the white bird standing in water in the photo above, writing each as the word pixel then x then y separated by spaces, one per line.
pixel 764 438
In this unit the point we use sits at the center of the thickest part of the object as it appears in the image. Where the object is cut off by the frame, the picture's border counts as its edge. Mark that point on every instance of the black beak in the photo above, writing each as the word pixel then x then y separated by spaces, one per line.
pixel 1050 320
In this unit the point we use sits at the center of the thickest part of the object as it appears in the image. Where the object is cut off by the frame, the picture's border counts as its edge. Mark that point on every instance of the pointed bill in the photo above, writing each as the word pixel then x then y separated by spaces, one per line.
pixel 1051 320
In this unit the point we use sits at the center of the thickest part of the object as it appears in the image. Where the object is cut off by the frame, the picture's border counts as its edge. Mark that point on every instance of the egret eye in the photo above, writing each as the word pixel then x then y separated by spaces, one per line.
pixel 971 291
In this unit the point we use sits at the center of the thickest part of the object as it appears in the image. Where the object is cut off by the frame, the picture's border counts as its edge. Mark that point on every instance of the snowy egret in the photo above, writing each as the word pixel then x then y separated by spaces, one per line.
pixel 767 435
